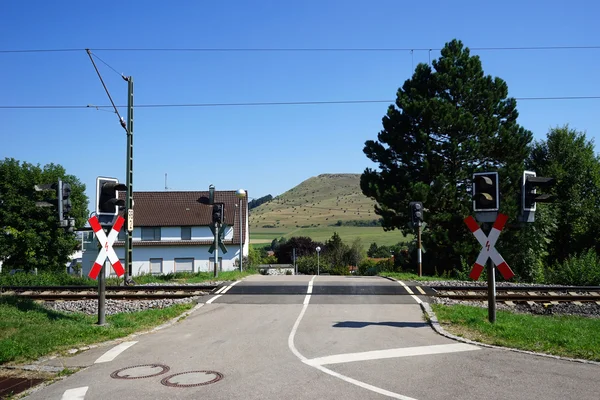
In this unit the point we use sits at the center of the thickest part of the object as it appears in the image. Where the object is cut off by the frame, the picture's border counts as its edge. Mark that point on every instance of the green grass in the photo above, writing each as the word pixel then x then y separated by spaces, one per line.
pixel 409 276
pixel 60 279
pixel 567 336
pixel 186 277
pixel 45 279
pixel 368 235
pixel 29 331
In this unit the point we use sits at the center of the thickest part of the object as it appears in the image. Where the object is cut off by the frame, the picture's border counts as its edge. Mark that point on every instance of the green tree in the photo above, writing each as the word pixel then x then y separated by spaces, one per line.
pixel 449 121
pixel 355 253
pixel 569 157
pixel 335 251
pixel 30 236
pixel 372 250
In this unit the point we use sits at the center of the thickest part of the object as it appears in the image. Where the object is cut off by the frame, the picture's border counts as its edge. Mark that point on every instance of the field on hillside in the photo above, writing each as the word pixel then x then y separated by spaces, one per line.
pixel 318 207
pixel 368 235
pixel 315 203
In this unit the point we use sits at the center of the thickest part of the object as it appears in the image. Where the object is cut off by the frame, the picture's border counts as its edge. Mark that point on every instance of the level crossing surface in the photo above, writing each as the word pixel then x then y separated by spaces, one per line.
pixel 343 337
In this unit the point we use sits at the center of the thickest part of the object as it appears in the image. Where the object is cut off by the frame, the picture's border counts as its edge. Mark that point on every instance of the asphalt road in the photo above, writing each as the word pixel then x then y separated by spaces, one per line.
pixel 299 337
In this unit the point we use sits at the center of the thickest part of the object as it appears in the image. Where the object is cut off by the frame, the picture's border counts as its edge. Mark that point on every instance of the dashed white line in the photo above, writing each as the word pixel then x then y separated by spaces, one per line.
pixel 114 352
pixel 222 291
pixel 412 294
pixel 326 370
pixel 309 291
pixel 75 394
pixel 393 353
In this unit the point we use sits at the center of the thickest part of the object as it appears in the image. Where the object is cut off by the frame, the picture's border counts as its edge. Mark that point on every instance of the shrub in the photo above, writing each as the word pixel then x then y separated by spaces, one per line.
pixel 367 267
pixel 580 269
pixel 44 279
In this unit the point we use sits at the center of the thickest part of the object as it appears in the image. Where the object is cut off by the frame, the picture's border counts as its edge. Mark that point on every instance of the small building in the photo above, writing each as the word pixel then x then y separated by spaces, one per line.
pixel 172 233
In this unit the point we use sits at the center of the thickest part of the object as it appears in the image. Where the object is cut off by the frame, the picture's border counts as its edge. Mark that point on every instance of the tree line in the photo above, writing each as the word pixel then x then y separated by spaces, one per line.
pixel 451 120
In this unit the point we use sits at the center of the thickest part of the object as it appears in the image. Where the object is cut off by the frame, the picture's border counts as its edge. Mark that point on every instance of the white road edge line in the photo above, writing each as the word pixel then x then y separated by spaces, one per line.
pixel 393 353
pixel 114 352
pixel 220 289
pixel 328 371
pixel 229 287
pixel 412 294
pixel 223 290
pixel 75 394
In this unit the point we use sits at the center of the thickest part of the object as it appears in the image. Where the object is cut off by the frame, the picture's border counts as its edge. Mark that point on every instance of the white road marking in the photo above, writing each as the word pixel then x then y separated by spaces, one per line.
pixel 220 289
pixel 309 290
pixel 75 394
pixel 412 294
pixel 392 353
pixel 406 287
pixel 328 371
pixel 223 290
pixel 229 287
pixel 421 290
pixel 114 352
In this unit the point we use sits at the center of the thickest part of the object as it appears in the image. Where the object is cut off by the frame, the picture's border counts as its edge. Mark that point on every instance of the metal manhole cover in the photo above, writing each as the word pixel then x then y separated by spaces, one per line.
pixel 192 378
pixel 140 371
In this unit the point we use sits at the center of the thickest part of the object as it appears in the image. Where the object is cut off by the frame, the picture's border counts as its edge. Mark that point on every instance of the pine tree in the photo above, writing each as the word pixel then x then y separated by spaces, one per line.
pixel 449 121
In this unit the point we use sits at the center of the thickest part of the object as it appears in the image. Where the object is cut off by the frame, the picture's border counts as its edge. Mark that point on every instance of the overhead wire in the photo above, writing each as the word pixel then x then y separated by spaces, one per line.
pixel 300 49
pixel 259 104
pixel 108 65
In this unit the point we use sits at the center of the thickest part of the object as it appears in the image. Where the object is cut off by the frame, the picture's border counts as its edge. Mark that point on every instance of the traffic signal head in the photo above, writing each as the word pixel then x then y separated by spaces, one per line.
pixel 529 196
pixel 416 213
pixel 529 186
pixel 107 202
pixel 486 191
pixel 218 213
pixel 66 200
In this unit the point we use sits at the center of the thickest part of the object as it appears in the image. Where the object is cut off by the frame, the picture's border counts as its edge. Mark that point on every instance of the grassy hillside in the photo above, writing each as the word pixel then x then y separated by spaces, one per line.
pixel 314 207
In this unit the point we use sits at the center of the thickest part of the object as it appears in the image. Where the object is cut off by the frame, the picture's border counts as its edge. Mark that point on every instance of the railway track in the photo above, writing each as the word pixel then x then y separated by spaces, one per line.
pixel 528 294
pixel 57 293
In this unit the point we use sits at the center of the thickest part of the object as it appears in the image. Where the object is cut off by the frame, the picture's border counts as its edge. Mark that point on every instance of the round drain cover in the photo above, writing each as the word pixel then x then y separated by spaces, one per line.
pixel 140 371
pixel 192 378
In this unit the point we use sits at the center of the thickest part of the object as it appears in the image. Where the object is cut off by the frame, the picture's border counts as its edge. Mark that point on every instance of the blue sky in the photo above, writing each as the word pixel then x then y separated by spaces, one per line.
pixel 266 150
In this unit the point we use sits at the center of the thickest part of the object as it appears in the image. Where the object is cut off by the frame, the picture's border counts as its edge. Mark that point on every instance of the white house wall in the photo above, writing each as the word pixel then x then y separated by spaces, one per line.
pixel 174 233
pixel 169 233
pixel 168 254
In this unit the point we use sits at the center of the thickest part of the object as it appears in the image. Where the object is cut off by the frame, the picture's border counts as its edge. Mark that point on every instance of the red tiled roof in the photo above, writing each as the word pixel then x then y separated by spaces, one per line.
pixel 172 208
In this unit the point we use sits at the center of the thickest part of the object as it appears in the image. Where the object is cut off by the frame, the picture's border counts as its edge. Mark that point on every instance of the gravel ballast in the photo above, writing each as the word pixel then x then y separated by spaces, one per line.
pixel 584 309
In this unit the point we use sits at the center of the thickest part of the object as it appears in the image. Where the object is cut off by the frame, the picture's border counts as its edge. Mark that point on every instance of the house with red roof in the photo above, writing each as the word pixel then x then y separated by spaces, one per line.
pixel 172 233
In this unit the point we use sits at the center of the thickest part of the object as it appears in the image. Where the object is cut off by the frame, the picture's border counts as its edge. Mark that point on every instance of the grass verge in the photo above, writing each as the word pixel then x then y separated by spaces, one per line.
pixel 61 278
pixel 187 277
pixel 567 336
pixel 29 331
pixel 409 276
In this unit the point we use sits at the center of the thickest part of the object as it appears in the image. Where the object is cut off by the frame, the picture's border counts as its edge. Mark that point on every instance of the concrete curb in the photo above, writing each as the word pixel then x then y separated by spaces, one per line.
pixel 433 321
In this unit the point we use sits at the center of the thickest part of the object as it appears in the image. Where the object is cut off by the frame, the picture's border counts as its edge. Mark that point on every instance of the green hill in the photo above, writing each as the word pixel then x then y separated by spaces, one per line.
pixel 316 208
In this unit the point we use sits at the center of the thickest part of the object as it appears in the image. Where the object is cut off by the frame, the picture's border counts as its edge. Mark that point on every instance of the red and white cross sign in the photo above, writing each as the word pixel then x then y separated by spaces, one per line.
pixel 488 250
pixel 106 250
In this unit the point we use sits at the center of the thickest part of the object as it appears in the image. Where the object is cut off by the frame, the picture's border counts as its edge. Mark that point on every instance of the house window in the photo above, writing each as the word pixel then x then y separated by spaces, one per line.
pixel 150 233
pixel 186 233
pixel 184 265
pixel 156 265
